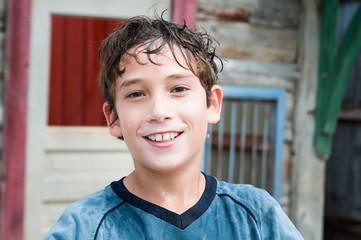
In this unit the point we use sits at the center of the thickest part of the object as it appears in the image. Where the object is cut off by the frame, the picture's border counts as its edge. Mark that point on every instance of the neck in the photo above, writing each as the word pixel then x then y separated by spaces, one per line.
pixel 175 192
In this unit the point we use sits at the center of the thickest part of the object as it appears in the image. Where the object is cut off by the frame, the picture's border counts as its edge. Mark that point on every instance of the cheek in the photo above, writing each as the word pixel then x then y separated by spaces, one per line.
pixel 127 123
pixel 126 119
pixel 196 111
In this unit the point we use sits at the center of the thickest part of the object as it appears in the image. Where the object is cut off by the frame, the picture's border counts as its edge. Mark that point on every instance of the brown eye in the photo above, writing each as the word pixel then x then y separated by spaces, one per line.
pixel 135 95
pixel 179 89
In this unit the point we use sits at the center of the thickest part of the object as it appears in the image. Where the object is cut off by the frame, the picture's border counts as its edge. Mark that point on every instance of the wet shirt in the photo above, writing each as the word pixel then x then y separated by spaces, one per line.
pixel 225 211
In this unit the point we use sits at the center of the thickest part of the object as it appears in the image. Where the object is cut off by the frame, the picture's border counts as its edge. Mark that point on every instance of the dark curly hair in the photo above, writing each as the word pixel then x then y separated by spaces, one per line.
pixel 196 48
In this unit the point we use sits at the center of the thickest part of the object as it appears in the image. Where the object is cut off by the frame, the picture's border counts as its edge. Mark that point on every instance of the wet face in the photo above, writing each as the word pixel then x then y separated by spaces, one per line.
pixel 162 112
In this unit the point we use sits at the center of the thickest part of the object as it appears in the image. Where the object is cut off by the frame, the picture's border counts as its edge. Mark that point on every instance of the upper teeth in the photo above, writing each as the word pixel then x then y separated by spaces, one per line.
pixel 163 137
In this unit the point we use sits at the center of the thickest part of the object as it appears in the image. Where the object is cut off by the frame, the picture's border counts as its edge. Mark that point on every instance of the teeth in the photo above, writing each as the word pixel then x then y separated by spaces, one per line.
pixel 163 137
pixel 172 135
pixel 158 137
pixel 166 137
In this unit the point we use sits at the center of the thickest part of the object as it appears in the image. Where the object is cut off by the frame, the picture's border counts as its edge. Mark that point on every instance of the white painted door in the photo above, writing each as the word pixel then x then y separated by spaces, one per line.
pixel 64 164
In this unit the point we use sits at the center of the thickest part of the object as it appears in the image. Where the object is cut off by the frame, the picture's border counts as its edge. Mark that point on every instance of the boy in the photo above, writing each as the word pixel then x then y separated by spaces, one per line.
pixel 159 84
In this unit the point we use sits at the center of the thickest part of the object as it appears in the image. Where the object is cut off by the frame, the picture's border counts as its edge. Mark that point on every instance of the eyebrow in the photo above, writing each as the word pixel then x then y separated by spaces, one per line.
pixel 130 82
pixel 179 75
pixel 134 81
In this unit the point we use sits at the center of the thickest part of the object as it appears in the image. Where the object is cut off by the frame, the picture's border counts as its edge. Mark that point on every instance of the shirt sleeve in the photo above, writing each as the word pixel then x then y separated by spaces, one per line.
pixel 275 224
pixel 67 227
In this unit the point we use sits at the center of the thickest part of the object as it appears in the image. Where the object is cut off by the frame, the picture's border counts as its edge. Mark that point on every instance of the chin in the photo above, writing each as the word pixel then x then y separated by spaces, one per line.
pixel 165 167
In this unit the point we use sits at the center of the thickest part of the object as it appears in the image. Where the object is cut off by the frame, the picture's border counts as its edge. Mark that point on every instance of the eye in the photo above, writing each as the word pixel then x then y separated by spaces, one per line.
pixel 135 95
pixel 179 89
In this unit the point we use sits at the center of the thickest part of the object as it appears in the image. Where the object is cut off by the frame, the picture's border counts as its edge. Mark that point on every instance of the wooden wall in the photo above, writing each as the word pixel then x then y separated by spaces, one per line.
pixel 2 66
pixel 2 79
pixel 275 43
pixel 259 40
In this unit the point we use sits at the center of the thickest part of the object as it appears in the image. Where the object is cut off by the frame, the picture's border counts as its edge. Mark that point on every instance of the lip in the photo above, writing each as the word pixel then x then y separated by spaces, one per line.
pixel 164 144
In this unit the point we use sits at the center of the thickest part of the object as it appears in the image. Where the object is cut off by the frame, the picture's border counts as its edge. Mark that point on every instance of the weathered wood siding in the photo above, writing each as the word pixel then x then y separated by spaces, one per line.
pixel 259 40
pixel 2 64
pixel 2 80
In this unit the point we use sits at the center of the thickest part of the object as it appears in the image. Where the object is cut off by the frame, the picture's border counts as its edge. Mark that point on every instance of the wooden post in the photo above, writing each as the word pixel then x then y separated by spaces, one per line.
pixel 308 171
pixel 13 152
pixel 185 10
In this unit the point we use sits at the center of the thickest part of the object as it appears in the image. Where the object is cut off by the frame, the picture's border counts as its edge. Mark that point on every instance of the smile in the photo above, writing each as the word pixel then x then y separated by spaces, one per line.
pixel 163 137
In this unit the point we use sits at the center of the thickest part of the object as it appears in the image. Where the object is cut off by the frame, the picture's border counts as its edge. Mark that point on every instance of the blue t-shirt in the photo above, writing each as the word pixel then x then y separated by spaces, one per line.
pixel 225 211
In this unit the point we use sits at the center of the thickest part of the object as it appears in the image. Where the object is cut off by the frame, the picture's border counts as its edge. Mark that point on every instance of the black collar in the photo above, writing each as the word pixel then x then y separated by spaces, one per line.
pixel 180 221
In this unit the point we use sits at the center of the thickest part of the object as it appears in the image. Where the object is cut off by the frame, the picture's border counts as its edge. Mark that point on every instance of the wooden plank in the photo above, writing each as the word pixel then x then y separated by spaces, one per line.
pixel 252 42
pixel 350 114
pixel 258 44
pixel 220 140
pixel 74 72
pixel 185 10
pixel 72 138
pixel 273 13
pixel 307 171
pixel 94 34
pixel 14 132
pixel 83 162
pixel 232 145
pixel 243 142
pixel 71 190
pixel 265 146
pixel 56 110
pixel 343 172
pixel 253 73
pixel 254 155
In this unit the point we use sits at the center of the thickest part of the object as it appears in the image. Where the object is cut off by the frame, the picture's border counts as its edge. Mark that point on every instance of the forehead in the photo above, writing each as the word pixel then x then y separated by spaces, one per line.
pixel 165 56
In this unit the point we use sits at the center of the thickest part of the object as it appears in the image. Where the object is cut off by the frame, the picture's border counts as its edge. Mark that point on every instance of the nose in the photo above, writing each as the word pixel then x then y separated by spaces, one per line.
pixel 159 109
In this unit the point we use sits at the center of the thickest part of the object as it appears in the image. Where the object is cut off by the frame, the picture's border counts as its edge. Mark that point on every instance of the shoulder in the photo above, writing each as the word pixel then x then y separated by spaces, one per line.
pixel 250 197
pixel 272 221
pixel 81 218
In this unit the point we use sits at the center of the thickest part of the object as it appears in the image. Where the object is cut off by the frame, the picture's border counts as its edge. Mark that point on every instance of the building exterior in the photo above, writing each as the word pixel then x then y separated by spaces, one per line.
pixel 49 161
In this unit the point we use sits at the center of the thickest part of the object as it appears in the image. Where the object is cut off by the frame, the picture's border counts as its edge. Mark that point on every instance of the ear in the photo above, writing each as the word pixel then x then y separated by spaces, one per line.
pixel 112 121
pixel 215 107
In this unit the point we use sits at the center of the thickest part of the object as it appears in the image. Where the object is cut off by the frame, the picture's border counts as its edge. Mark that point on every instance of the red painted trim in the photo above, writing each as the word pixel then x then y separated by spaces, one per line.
pixel 14 133
pixel 57 71
pixel 185 10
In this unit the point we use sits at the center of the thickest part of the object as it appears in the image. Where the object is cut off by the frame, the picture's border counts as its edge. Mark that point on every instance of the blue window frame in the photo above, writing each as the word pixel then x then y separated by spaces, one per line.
pixel 246 146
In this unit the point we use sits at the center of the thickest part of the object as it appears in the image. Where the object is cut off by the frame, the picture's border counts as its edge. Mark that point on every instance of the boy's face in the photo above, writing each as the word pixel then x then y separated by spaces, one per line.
pixel 162 112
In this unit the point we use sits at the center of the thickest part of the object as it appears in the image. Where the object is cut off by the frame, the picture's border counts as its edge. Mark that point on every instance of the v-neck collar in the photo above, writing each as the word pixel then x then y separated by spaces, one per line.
pixel 180 221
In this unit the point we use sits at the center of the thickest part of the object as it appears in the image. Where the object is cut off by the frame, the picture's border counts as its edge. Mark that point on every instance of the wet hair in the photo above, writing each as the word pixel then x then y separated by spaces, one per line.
pixel 197 48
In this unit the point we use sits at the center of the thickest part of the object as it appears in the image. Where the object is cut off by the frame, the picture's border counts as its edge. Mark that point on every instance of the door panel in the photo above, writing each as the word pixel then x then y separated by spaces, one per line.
pixel 74 95
pixel 69 155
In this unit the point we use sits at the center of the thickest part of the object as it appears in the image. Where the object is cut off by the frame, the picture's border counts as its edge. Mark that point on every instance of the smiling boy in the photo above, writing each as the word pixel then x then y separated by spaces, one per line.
pixel 159 85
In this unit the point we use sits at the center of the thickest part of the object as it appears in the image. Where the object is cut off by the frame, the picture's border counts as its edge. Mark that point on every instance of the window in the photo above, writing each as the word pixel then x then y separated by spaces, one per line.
pixel 246 145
